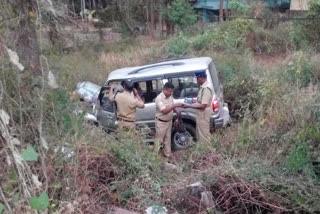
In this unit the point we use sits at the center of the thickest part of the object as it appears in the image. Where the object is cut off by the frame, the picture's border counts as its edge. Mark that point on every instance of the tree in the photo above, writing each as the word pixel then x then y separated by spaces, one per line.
pixel 21 35
pixel 181 13
pixel 221 11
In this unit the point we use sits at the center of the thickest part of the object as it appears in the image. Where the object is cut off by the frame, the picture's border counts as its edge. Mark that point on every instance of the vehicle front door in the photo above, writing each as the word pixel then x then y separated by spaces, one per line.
pixel 146 116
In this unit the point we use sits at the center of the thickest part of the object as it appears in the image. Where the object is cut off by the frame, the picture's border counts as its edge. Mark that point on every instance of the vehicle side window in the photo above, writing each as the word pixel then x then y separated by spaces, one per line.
pixel 104 101
pixel 149 89
pixel 186 86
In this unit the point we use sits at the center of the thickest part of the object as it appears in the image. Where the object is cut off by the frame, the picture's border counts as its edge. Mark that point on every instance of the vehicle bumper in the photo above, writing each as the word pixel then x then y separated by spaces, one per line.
pixel 222 120
pixel 218 123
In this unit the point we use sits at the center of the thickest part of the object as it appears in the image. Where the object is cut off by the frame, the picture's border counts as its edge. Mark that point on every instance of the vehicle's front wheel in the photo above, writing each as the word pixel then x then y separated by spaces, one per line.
pixel 183 140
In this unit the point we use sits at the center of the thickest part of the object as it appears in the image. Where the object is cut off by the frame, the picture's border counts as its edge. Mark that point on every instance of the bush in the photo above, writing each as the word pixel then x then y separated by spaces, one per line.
pixel 200 42
pixel 311 26
pixel 299 160
pixel 60 113
pixel 181 13
pixel 268 41
pixel 298 37
pixel 178 46
pixel 299 69
pixel 233 35
pixel 239 6
pixel 240 88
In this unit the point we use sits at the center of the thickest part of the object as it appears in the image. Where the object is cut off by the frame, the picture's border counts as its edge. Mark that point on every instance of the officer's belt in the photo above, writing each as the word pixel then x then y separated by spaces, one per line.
pixel 163 120
pixel 121 119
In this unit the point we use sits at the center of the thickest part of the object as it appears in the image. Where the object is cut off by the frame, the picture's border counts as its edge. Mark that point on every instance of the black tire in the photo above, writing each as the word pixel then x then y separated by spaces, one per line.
pixel 176 144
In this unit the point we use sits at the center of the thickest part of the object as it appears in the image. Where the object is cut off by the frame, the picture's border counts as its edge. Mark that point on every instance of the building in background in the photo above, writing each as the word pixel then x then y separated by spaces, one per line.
pixel 209 9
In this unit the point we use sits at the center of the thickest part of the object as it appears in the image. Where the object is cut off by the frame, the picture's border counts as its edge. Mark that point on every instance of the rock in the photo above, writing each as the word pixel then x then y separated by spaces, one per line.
pixel 118 210
pixel 193 190
pixel 156 210
pixel 207 199
pixel 171 168
pixel 196 193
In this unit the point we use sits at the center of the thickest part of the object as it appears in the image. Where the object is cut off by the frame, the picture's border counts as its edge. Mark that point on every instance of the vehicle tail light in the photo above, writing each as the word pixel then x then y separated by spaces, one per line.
pixel 215 105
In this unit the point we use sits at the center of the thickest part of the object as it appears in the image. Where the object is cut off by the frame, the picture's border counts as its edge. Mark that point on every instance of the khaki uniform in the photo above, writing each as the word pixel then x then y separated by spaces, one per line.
pixel 203 116
pixel 126 109
pixel 164 123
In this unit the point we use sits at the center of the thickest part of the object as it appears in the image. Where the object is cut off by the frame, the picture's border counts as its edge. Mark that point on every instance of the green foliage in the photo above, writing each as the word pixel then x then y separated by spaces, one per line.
pixel 297 36
pixel 269 41
pixel 239 6
pixel 178 46
pixel 1 208
pixel 299 160
pixel 233 35
pixel 107 16
pixel 200 42
pixel 29 154
pixel 134 155
pixel 311 26
pixel 60 112
pixel 240 88
pixel 299 69
pixel 40 203
pixel 181 14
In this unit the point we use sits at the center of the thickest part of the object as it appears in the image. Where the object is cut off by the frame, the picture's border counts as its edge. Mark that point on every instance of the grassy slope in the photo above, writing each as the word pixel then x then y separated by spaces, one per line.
pixel 270 147
pixel 263 161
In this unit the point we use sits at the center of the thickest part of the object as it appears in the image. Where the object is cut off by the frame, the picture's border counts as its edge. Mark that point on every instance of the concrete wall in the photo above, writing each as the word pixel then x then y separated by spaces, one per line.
pixel 299 5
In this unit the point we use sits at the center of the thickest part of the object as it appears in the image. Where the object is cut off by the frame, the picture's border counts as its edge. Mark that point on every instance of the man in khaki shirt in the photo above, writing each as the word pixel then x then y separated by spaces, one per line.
pixel 126 104
pixel 203 105
pixel 164 116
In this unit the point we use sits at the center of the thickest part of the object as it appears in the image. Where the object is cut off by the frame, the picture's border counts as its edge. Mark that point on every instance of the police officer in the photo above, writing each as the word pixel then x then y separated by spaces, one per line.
pixel 126 104
pixel 202 105
pixel 164 115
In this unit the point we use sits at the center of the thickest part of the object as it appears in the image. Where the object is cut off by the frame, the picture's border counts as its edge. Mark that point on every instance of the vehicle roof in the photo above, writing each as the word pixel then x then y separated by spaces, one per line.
pixel 161 68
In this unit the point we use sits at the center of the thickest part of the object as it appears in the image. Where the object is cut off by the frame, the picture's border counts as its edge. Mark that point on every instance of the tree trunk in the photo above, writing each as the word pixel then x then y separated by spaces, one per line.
pixel 169 26
pixel 27 46
pixel 152 21
pixel 221 11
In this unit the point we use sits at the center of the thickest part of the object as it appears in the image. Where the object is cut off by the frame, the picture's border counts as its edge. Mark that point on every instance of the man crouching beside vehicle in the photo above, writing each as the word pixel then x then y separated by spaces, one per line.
pixel 164 116
pixel 126 104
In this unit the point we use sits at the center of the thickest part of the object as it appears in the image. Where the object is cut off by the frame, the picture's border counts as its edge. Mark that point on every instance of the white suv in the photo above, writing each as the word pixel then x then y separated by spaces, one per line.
pixel 151 79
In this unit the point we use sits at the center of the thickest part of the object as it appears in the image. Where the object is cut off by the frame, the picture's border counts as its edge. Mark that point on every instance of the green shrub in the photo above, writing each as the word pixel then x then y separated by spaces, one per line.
pixel 241 90
pixel 178 46
pixel 297 36
pixel 239 6
pixel 311 26
pixel 269 41
pixel 299 69
pixel 200 42
pixel 299 160
pixel 233 35
pixel 134 155
pixel 181 13
pixel 60 114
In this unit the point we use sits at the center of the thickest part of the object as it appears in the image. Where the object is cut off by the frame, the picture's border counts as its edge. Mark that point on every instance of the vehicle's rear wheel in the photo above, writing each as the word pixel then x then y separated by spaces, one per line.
pixel 183 140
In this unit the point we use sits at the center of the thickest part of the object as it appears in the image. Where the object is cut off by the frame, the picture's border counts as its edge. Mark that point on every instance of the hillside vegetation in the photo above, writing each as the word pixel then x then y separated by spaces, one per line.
pixel 266 161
